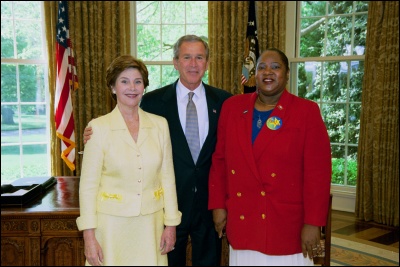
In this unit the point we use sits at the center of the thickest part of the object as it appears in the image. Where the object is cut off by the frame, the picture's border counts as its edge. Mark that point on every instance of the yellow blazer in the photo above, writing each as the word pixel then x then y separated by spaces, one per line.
pixel 123 178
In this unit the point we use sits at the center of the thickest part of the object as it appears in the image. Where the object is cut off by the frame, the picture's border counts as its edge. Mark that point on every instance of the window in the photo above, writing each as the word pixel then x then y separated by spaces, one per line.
pixel 158 25
pixel 328 67
pixel 24 92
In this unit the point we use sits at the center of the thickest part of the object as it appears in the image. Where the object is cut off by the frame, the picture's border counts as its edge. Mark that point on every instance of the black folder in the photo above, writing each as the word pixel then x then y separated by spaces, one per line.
pixel 23 190
pixel 44 181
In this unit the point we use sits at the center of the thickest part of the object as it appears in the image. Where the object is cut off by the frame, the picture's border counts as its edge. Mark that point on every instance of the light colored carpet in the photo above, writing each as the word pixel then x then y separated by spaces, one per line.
pixel 345 252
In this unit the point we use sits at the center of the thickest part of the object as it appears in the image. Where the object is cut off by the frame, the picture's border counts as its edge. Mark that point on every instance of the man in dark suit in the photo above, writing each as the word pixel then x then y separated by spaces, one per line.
pixel 191 58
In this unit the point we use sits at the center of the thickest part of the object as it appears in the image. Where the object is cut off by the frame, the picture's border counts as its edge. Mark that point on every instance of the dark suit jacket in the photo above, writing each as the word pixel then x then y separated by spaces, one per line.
pixel 188 175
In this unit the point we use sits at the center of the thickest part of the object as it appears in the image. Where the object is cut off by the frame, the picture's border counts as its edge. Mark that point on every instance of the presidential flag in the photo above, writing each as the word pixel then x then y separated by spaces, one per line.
pixel 67 81
pixel 251 52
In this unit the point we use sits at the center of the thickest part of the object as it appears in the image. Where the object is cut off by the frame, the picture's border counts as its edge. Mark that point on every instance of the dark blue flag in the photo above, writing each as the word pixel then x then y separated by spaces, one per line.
pixel 251 52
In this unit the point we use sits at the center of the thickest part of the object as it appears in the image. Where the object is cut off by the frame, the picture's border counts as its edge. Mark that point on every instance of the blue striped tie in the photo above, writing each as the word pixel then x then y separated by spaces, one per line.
pixel 192 128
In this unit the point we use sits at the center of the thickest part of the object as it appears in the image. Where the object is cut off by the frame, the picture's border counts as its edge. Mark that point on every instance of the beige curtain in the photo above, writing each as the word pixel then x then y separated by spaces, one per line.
pixel 227 34
pixel 378 149
pixel 99 32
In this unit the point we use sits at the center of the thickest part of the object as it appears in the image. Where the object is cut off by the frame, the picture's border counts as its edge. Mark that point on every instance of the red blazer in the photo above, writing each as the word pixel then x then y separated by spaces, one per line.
pixel 272 188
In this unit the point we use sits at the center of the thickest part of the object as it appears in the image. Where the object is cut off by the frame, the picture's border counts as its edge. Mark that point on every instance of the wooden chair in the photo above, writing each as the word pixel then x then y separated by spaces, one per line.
pixel 324 258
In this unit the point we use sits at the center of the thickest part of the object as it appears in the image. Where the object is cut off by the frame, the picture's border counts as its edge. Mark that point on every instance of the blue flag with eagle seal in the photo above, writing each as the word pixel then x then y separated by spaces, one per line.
pixel 251 52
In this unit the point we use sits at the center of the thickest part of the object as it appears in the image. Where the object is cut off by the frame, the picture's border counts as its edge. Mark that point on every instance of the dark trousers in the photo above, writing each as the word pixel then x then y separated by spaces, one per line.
pixel 206 246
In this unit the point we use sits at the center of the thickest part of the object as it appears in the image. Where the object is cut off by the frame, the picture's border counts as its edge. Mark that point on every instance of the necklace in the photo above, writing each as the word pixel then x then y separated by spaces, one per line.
pixel 259 122
pixel 263 103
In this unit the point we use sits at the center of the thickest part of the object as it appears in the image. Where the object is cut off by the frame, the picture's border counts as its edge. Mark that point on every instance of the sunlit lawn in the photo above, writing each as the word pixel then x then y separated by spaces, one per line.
pixel 34 165
pixel 27 121
pixel 35 161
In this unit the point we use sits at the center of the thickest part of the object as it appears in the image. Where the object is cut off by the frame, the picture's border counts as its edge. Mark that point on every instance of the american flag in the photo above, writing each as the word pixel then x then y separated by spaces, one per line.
pixel 67 80
pixel 243 79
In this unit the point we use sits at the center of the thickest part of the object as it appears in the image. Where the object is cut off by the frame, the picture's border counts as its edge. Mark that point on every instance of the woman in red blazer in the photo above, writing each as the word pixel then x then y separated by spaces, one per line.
pixel 270 177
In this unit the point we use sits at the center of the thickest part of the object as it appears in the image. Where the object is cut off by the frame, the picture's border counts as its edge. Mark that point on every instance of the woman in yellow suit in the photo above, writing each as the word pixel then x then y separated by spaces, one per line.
pixel 128 204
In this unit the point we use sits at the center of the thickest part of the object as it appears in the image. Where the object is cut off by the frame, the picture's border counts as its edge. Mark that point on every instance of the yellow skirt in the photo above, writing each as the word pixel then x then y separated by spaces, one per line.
pixel 131 241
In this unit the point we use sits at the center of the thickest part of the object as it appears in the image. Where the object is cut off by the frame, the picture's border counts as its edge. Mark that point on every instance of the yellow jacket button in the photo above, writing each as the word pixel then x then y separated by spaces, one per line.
pixel 263 216
pixel 273 175
pixel 263 193
pixel 233 171
pixel 239 194
pixel 242 217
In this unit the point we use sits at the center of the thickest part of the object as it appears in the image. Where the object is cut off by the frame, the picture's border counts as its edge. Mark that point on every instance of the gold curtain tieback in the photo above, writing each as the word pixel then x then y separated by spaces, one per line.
pixel 111 196
pixel 158 193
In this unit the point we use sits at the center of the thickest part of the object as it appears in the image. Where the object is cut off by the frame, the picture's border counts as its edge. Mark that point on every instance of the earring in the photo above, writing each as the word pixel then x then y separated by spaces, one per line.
pixel 113 91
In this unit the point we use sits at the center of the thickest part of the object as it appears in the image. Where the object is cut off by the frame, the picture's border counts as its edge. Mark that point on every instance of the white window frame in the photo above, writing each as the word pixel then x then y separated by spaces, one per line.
pixel 343 195
pixel 134 41
pixel 15 61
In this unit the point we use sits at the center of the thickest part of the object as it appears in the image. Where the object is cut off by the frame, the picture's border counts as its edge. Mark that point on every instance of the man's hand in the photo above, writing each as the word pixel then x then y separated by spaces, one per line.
pixel 310 237
pixel 86 134
pixel 219 218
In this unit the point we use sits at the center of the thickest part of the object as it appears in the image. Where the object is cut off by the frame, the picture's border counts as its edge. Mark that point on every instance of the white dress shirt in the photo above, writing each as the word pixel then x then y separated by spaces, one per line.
pixel 199 99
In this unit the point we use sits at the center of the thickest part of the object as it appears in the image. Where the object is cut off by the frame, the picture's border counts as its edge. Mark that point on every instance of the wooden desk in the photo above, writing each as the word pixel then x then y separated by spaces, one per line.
pixel 44 232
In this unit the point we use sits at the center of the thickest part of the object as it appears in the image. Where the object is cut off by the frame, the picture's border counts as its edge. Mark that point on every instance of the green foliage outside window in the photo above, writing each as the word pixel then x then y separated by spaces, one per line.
pixel 334 30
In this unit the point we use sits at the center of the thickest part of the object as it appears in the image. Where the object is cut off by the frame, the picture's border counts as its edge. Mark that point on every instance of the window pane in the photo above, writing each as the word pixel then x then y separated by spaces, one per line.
pixel 352 166
pixel 205 77
pixel 335 82
pixel 339 36
pixel 7 38
pixel 360 34
pixel 154 77
pixel 27 10
pixel 195 12
pixel 35 160
pixel 148 12
pixel 149 42
pixel 340 7
pixel 306 77
pixel 10 163
pixel 169 14
pixel 9 124
pixel 335 121
pixel 32 83
pixel 313 8
pixel 33 120
pixel 169 37
pixel 309 85
pixel 8 83
pixel 311 37
pixel 6 9
pixel 356 78
pixel 361 6
pixel 338 164
pixel 354 123
pixel 169 74
pixel 29 42
pixel 198 29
